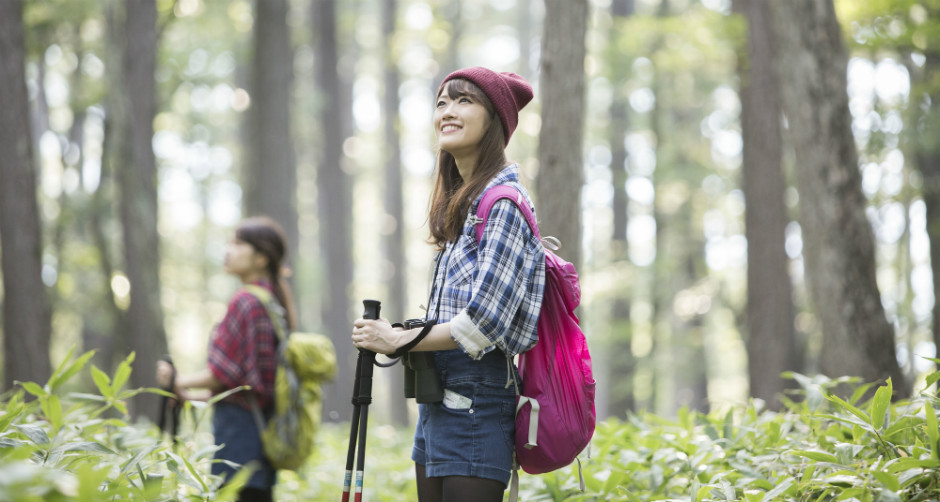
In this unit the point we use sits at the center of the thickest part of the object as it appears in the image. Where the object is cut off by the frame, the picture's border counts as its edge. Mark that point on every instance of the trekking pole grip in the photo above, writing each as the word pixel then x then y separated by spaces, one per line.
pixel 372 309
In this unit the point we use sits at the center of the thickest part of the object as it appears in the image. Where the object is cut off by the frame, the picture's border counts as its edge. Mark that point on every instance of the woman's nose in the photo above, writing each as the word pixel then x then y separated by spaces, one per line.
pixel 448 111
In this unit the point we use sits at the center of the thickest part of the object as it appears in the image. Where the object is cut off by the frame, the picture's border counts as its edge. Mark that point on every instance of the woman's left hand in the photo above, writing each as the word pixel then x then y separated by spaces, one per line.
pixel 376 335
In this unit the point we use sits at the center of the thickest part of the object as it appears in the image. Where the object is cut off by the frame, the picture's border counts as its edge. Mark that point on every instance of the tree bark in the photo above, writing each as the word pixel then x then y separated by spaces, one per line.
pixel 138 202
pixel 839 245
pixel 561 83
pixel 772 346
pixel 622 363
pixel 394 204
pixel 271 175
pixel 27 324
pixel 334 202
pixel 927 162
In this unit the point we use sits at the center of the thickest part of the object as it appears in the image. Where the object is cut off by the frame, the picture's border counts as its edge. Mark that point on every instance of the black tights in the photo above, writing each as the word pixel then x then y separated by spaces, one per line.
pixel 255 495
pixel 457 488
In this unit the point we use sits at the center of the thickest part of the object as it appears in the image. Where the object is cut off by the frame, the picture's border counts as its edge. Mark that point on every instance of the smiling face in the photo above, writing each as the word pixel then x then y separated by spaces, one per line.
pixel 460 121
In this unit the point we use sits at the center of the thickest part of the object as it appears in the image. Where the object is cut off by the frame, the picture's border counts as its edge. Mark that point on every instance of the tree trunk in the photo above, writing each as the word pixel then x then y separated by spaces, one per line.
pixel 394 205
pixel 772 346
pixel 927 162
pixel 839 241
pixel 622 363
pixel 271 174
pixel 561 173
pixel 138 203
pixel 26 317
pixel 525 38
pixel 334 202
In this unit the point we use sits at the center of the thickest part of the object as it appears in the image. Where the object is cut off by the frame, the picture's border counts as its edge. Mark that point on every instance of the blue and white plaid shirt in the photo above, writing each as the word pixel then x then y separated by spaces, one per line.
pixel 491 292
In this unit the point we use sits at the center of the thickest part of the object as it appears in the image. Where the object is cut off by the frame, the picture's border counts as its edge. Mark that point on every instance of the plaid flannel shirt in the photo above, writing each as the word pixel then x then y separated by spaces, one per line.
pixel 491 292
pixel 242 350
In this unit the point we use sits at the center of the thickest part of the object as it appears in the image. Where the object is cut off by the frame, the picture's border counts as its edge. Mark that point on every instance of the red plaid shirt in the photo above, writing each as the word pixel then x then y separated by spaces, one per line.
pixel 242 350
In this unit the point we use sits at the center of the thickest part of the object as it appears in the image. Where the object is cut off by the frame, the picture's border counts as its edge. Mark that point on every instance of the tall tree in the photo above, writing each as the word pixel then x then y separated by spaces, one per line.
pixel 772 346
pixel 561 84
pixel 394 198
pixel 137 178
pixel 622 362
pixel 26 317
pixel 927 162
pixel 271 173
pixel 334 200
pixel 839 241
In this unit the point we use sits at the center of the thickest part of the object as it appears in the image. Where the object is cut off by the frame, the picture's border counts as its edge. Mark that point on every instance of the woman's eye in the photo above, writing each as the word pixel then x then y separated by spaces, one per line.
pixel 465 100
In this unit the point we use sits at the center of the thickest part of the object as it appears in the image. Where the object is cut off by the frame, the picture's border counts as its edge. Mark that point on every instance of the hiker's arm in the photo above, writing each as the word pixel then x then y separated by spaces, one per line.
pixel 379 336
pixel 203 380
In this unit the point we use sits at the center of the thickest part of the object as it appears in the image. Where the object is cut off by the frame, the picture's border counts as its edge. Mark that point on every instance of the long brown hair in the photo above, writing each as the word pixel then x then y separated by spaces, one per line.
pixel 452 194
pixel 269 239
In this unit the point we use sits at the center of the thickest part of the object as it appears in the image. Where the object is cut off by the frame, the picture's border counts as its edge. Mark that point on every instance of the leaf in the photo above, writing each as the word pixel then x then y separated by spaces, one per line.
pixel 89 446
pixel 81 396
pixel 34 389
pixel 728 490
pixel 851 409
pixel 819 456
pixel 843 480
pixel 931 379
pixel 102 381
pixel 904 464
pixel 879 405
pixel 194 474
pixel 773 495
pixel 229 491
pixel 53 379
pixel 134 461
pixel 35 433
pixel 53 410
pixel 890 481
pixel 933 434
pixel 122 374
pixel 851 420
pixel 159 392
pixel 184 475
pixel 58 378
pixel 218 397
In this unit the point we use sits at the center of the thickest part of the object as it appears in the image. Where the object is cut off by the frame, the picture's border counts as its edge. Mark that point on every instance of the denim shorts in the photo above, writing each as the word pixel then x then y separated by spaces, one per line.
pixel 472 432
pixel 235 427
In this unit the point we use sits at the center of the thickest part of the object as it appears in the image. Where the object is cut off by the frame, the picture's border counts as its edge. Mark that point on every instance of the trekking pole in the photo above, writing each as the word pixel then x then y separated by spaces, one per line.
pixel 174 410
pixel 362 397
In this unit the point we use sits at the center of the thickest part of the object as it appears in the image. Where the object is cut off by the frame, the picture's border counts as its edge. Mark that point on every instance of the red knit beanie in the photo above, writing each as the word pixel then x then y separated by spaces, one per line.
pixel 508 92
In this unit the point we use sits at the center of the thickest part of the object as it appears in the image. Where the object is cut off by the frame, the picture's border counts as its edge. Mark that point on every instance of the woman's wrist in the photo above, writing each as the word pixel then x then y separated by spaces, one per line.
pixel 405 336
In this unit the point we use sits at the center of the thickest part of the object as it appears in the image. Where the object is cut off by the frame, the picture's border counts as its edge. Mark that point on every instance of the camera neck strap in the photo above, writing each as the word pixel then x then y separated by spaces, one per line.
pixel 404 349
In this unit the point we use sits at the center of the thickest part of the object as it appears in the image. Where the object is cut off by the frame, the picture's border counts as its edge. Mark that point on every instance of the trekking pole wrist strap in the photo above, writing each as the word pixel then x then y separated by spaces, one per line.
pixel 404 349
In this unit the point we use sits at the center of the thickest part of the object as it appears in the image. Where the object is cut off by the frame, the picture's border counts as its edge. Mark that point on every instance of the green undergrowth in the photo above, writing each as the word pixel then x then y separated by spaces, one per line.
pixel 57 445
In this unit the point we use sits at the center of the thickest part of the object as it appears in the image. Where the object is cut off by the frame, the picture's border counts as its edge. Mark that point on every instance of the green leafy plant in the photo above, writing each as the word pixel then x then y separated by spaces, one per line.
pixel 67 446
pixel 60 446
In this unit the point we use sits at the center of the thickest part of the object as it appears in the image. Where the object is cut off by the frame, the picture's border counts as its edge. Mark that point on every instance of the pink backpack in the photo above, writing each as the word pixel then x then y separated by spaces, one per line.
pixel 555 414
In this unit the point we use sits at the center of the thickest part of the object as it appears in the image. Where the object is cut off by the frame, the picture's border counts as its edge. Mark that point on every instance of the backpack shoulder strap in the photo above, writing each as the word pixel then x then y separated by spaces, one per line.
pixel 494 194
pixel 265 297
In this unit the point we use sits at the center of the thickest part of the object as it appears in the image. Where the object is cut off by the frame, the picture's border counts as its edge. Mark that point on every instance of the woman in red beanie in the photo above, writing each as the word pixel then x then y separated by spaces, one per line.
pixel 485 296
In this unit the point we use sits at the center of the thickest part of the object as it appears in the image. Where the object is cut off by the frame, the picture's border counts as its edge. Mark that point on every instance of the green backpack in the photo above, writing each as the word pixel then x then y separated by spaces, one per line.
pixel 304 360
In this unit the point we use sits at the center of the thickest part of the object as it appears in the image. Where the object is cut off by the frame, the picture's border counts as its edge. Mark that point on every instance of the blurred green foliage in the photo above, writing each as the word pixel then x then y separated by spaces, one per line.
pixel 58 446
